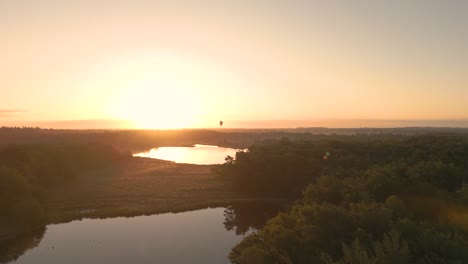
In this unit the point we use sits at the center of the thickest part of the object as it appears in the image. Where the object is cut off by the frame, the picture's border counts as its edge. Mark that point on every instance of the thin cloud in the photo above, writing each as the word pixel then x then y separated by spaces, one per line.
pixel 11 113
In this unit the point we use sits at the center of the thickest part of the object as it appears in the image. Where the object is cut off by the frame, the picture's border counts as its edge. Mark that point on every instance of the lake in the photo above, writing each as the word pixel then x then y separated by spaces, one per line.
pixel 198 154
pixel 189 237
pixel 200 236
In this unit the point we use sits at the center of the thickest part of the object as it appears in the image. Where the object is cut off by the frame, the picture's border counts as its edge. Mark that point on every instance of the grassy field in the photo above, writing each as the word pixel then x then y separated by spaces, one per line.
pixel 142 186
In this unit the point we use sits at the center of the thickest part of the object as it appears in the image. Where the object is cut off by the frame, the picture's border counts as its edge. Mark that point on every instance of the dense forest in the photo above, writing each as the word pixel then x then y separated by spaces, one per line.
pixel 29 171
pixel 362 199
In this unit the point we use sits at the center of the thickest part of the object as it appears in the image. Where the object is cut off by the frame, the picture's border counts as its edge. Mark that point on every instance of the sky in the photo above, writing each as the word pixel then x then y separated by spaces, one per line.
pixel 177 64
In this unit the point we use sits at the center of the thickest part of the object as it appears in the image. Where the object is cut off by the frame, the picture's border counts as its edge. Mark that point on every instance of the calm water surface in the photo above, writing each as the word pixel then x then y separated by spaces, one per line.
pixel 190 237
pixel 198 154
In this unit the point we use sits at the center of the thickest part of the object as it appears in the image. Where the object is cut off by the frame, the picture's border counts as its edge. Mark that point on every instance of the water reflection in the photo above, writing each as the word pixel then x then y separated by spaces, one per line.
pixel 11 250
pixel 201 236
pixel 198 154
pixel 245 217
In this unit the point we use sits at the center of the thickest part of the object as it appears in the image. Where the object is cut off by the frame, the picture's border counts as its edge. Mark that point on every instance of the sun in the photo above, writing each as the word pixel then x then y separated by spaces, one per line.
pixel 161 104
pixel 163 90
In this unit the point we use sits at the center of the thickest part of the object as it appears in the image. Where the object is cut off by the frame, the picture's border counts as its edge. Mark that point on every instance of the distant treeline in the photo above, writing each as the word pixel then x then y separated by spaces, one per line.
pixel 127 140
pixel 139 140
pixel 29 171
pixel 363 199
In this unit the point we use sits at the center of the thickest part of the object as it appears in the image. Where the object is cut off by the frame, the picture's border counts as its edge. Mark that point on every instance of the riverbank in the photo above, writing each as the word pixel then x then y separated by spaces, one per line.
pixel 142 186
pixel 139 186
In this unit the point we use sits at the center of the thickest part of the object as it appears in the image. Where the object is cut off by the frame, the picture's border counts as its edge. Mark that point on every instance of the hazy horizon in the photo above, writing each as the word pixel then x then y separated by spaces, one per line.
pixel 250 124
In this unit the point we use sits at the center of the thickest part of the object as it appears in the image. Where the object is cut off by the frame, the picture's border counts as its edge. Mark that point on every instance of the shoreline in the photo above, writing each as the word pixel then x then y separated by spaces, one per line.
pixel 143 186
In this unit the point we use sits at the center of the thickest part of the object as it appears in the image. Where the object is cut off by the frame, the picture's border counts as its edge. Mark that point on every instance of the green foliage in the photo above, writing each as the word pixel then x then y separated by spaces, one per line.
pixel 28 172
pixel 389 201
pixel 285 167
pixel 12 184
pixel 391 249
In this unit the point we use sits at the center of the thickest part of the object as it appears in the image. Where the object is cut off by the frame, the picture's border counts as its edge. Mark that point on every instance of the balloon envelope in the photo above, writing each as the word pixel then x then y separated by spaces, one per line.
pixel 221 123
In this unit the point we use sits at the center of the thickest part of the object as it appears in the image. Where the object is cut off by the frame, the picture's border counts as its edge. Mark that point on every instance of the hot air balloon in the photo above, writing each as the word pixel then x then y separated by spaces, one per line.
pixel 221 123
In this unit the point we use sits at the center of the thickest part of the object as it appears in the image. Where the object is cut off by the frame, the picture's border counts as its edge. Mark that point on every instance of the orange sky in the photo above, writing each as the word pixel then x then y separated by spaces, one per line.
pixel 193 63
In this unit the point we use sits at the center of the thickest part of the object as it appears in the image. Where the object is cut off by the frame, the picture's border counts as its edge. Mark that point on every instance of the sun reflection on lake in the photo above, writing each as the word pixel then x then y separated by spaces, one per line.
pixel 198 154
